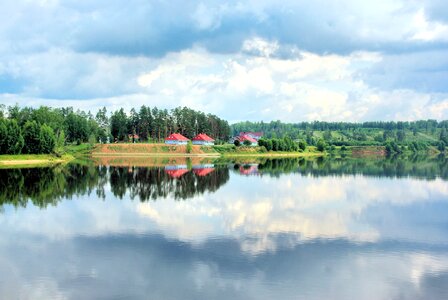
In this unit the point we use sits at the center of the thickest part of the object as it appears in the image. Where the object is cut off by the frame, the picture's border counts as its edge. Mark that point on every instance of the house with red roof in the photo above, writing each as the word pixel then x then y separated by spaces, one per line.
pixel 255 135
pixel 245 137
pixel 203 139
pixel 176 139
pixel 133 138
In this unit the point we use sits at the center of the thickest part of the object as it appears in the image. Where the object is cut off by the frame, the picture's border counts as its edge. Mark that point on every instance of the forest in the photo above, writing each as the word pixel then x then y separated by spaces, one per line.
pixel 46 130
pixel 415 136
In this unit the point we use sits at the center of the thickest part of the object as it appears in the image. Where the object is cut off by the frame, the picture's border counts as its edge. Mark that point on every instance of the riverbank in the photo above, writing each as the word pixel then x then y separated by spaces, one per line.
pixel 163 150
pixel 32 160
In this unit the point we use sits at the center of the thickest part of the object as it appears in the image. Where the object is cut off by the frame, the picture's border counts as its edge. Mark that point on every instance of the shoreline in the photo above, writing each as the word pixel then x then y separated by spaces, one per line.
pixel 33 160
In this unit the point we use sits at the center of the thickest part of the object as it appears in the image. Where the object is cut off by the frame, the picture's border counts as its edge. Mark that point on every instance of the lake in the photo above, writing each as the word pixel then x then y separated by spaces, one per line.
pixel 327 228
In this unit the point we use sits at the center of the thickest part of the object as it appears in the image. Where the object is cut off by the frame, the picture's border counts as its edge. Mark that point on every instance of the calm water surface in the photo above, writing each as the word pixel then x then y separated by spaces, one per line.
pixel 275 229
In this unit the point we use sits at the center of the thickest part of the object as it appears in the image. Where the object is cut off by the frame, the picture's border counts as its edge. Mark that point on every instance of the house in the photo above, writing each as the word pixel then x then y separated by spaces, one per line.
pixel 203 139
pixel 133 138
pixel 176 139
pixel 244 138
pixel 255 135
pixel 203 170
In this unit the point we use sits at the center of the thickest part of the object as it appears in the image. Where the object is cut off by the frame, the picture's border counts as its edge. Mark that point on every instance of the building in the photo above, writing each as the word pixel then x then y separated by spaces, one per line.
pixel 203 139
pixel 244 138
pixel 176 139
pixel 133 138
pixel 255 135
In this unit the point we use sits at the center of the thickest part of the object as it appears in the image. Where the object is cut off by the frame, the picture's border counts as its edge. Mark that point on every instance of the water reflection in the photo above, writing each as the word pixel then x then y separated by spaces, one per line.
pixel 287 229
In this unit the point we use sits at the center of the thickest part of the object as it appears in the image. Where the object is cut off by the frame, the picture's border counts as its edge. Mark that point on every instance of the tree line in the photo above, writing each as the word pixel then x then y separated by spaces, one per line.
pixel 396 136
pixel 278 128
pixel 154 124
pixel 45 130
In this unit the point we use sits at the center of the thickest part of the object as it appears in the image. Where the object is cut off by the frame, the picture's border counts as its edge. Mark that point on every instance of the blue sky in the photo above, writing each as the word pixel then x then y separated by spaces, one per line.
pixel 242 60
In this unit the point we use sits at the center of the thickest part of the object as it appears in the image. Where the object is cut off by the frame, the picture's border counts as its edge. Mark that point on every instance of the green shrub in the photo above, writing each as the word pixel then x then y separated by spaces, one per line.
pixel 189 147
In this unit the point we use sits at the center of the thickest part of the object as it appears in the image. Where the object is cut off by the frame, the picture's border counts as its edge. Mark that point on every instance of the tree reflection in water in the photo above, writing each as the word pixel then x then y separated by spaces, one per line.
pixel 47 186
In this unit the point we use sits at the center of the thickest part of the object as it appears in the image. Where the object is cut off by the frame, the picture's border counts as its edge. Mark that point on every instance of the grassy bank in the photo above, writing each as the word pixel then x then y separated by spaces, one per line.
pixel 32 160
pixel 69 153
pixel 246 151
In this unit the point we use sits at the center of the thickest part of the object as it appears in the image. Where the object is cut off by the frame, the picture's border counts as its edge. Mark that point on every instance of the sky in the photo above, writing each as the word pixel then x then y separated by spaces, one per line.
pixel 254 60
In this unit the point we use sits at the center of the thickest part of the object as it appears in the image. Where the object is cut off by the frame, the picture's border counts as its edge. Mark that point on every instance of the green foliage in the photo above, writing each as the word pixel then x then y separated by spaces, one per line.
pixel 302 145
pixel 441 146
pixel 3 135
pixel 13 141
pixel 189 147
pixel 321 145
pixel 60 140
pixel 47 139
pixel 392 147
pixel 31 137
pixel 92 140
pixel 352 134
pixel 284 144
pixel 76 127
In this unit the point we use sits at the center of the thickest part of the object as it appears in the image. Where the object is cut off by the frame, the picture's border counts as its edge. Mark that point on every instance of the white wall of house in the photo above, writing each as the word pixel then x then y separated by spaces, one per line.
pixel 175 142
pixel 203 143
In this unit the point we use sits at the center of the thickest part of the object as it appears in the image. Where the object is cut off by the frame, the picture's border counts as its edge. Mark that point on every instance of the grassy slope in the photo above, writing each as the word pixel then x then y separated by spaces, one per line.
pixel 32 160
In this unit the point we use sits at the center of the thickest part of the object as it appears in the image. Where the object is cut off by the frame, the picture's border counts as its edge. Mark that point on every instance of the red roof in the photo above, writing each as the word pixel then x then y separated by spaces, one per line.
pixel 255 134
pixel 176 173
pixel 203 171
pixel 203 137
pixel 246 138
pixel 176 137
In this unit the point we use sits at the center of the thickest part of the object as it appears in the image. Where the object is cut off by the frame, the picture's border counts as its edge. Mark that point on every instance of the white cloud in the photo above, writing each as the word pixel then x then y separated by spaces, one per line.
pixel 257 80
pixel 426 30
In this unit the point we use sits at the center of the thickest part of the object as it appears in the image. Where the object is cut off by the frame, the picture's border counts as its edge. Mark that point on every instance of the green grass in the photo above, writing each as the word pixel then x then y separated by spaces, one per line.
pixel 82 149
pixel 27 157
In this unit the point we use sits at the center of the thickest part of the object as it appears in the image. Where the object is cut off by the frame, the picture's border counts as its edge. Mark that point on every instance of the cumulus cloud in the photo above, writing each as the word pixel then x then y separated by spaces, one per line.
pixel 295 61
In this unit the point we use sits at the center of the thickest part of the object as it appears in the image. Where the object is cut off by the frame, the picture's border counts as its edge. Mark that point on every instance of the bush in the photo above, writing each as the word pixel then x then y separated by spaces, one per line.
pixel 302 145
pixel 47 139
pixel 189 147
pixel 321 145
pixel 92 140
pixel 31 137
pixel 13 141
pixel 3 135
pixel 343 148
pixel 263 149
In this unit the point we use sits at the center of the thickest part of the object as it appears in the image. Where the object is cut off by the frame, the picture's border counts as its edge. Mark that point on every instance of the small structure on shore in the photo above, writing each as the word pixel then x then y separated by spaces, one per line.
pixel 176 139
pixel 244 138
pixel 203 139
pixel 133 138
pixel 255 135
